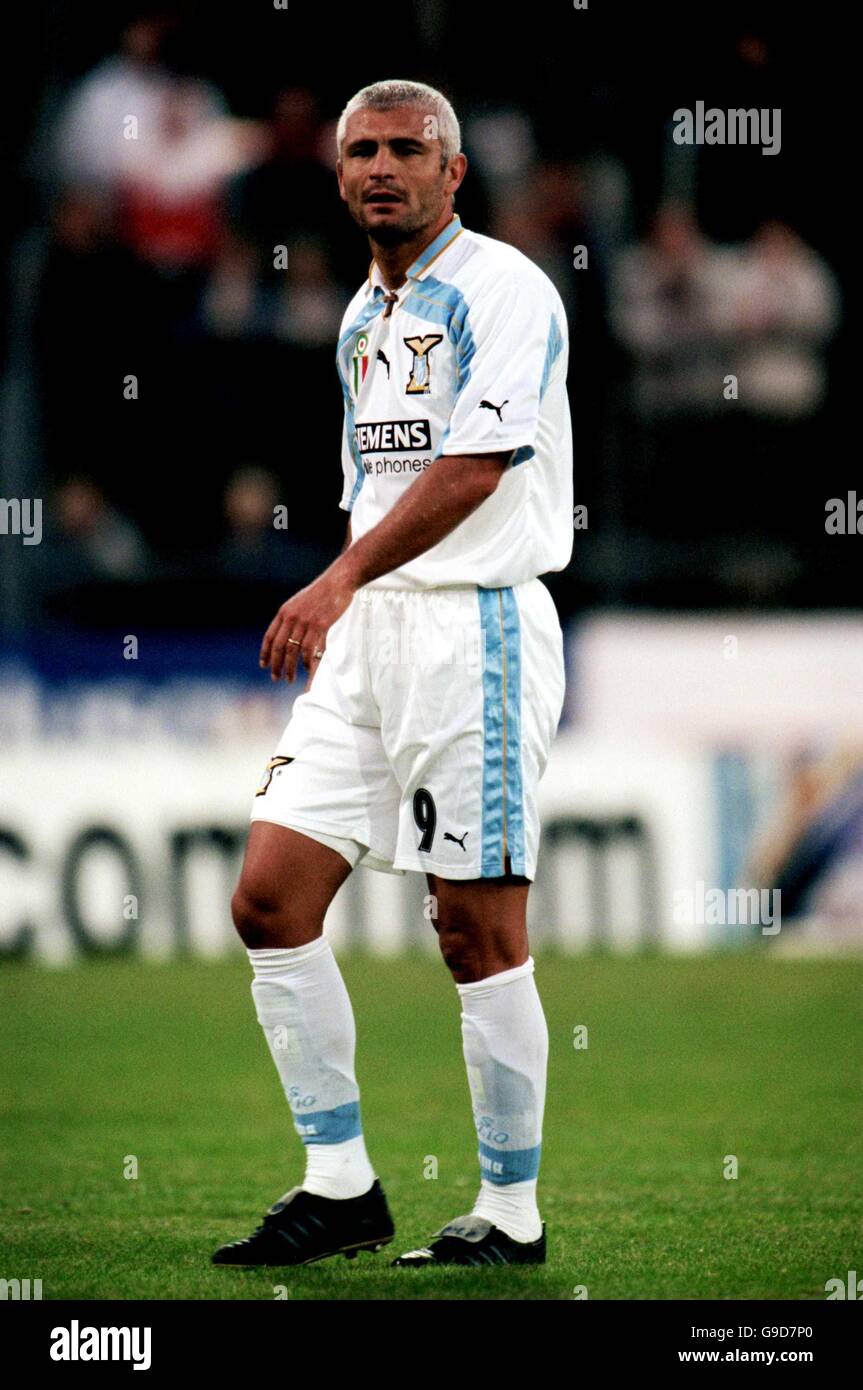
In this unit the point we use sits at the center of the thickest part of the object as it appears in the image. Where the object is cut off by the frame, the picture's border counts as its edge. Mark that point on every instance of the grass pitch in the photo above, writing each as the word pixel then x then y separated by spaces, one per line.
pixel 688 1061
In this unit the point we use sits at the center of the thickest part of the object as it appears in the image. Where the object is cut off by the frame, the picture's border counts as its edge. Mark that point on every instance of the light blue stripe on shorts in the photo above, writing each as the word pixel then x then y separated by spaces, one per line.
pixel 502 790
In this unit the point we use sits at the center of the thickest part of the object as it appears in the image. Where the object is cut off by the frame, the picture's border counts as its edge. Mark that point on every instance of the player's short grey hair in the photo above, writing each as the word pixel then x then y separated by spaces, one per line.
pixel 386 96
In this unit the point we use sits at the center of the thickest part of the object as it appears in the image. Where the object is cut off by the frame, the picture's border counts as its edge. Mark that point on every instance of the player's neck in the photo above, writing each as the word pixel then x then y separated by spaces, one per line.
pixel 393 261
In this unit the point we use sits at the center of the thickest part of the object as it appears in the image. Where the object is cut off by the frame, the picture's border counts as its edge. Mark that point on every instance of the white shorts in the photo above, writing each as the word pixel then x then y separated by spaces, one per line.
pixel 426 731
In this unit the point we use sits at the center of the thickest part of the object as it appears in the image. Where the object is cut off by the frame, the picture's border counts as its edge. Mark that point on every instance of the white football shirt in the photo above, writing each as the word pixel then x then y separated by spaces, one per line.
pixel 471 359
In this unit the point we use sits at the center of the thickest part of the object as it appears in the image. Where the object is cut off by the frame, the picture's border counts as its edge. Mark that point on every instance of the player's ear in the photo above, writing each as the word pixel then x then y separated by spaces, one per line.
pixel 457 171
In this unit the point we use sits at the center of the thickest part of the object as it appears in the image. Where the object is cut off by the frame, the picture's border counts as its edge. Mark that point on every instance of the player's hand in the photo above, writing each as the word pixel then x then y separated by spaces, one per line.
pixel 300 627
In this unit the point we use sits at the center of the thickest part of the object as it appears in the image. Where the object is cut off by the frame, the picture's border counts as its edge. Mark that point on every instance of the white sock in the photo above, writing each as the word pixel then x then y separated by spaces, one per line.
pixel 505 1038
pixel 305 1011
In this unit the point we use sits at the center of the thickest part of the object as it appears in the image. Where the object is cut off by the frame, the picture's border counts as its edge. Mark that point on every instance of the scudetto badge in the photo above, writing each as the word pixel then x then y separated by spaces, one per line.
pixel 360 361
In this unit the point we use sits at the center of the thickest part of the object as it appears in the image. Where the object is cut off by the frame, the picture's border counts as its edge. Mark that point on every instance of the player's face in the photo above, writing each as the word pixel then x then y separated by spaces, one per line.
pixel 390 174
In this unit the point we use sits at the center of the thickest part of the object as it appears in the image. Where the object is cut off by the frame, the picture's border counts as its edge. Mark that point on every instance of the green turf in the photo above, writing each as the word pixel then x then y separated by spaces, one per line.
pixel 689 1060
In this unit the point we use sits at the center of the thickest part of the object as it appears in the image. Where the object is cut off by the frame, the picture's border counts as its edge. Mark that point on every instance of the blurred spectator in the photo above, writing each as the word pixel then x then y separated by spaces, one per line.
pixel 232 303
pixel 293 194
pixel 93 305
pixel 160 149
pixel 309 306
pixel 157 152
pixel 726 347
pixel 93 139
pixel 89 543
pixel 302 308
pixel 670 306
pixel 545 221
pixel 96 539
pixel 786 307
pixel 172 195
pixel 257 550
pixel 501 144
pixel 691 313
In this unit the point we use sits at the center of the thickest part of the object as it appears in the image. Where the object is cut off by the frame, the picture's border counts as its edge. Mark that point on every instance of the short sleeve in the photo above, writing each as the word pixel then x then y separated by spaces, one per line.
pixel 511 340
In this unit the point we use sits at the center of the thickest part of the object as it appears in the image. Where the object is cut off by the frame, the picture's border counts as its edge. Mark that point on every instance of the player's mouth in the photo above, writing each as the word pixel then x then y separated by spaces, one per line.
pixel 381 199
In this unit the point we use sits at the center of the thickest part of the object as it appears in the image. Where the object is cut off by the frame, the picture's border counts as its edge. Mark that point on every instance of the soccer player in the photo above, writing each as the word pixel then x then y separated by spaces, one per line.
pixel 436 683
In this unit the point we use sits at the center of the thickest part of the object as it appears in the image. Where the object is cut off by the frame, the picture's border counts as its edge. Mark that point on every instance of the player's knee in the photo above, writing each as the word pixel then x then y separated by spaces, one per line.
pixel 459 953
pixel 473 949
pixel 257 915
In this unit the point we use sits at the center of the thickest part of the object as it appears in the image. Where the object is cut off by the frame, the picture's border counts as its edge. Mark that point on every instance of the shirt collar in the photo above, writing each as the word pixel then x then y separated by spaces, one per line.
pixel 421 265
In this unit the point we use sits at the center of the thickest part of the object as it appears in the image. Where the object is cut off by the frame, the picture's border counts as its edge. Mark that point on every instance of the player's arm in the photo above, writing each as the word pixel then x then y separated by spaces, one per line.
pixel 449 490
pixel 439 500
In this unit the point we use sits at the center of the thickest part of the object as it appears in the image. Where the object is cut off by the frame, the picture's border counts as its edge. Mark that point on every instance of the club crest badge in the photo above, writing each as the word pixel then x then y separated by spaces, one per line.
pixel 419 381
pixel 271 767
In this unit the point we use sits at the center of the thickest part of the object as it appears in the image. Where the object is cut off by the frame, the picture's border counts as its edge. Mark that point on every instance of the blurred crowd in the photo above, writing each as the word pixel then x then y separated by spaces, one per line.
pixel 189 301
pixel 692 314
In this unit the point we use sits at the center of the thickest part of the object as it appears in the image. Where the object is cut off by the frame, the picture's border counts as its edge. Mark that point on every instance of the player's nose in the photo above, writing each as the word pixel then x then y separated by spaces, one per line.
pixel 383 164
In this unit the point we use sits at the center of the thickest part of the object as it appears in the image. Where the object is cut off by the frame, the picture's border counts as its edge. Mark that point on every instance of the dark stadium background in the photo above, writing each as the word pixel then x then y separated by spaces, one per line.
pixel 731 516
